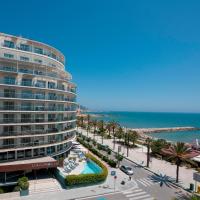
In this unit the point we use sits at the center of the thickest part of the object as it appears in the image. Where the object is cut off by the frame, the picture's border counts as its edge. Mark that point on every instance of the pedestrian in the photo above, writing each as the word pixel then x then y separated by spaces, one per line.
pixel 129 178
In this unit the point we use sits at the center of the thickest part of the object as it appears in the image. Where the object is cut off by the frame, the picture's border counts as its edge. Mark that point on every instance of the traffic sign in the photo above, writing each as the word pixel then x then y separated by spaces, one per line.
pixel 113 173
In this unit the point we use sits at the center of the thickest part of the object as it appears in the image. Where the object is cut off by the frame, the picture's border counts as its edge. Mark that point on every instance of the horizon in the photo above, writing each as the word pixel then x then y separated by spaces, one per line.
pixel 141 56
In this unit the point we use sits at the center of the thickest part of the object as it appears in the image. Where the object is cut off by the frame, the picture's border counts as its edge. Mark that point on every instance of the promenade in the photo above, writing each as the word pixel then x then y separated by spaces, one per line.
pixel 138 155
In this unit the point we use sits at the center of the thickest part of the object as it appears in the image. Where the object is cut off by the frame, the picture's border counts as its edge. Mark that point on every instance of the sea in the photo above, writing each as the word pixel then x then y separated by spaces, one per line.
pixel 157 120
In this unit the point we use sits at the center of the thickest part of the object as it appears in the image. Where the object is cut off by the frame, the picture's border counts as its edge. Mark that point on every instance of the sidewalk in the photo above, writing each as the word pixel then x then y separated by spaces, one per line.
pixel 138 155
pixel 104 188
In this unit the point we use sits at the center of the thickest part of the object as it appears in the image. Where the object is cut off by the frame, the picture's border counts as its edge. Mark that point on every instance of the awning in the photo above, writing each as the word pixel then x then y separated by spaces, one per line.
pixel 30 164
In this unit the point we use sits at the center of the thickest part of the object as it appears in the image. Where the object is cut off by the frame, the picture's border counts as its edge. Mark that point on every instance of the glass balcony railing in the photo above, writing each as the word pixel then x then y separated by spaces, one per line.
pixel 35 96
pixel 36 132
pixel 30 84
pixel 36 143
pixel 32 72
pixel 35 120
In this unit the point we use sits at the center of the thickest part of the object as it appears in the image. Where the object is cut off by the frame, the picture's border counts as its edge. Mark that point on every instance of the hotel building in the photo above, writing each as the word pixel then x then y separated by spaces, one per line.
pixel 37 101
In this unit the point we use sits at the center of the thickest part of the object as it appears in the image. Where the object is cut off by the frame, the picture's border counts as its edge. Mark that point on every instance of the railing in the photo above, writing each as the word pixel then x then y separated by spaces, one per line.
pixel 35 132
pixel 36 143
pixel 37 84
pixel 33 120
pixel 31 72
pixel 31 50
pixel 35 96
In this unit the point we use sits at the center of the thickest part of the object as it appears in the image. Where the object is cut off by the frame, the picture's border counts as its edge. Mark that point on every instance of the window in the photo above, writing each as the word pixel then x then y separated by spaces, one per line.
pixel 7 55
pixel 26 118
pixel 8 118
pixel 26 82
pixel 27 94
pixel 38 50
pixel 9 80
pixel 8 105
pixel 9 44
pixel 26 106
pixel 8 142
pixel 39 106
pixel 51 85
pixel 40 84
pixel 39 118
pixel 24 47
pixel 22 58
pixel 40 95
pixel 52 96
pixel 9 93
pixel 8 130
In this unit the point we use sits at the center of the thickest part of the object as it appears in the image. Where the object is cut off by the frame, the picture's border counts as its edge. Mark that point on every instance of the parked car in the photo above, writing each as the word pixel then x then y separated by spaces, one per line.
pixel 126 169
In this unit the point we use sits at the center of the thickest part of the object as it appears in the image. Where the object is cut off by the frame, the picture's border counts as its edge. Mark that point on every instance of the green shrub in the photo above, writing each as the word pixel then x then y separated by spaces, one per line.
pixel 23 183
pixel 16 188
pixel 1 190
pixel 72 180
pixel 112 163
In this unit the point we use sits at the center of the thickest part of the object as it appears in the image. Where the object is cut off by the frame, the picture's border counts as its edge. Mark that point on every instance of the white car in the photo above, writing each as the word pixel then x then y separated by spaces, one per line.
pixel 126 169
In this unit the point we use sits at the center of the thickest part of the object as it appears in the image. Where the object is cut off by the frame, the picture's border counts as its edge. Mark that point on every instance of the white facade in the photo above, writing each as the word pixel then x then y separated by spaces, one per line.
pixel 37 100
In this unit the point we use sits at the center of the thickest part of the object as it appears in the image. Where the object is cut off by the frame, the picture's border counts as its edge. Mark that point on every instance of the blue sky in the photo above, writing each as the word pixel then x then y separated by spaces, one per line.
pixel 123 55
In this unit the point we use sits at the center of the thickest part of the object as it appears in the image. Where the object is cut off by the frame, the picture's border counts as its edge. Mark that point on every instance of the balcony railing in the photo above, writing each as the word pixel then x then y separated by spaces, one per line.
pixel 35 96
pixel 36 143
pixel 34 120
pixel 35 132
pixel 37 84
pixel 36 108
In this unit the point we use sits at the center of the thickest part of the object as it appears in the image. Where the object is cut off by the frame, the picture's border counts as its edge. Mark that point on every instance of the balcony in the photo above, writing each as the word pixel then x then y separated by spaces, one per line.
pixel 40 132
pixel 35 96
pixel 36 143
pixel 29 84
pixel 33 120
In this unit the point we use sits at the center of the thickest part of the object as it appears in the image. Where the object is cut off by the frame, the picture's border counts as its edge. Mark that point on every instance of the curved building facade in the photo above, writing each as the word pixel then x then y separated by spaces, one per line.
pixel 37 100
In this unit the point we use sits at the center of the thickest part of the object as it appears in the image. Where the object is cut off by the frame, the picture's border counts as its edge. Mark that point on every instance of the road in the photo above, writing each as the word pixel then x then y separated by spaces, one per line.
pixel 149 186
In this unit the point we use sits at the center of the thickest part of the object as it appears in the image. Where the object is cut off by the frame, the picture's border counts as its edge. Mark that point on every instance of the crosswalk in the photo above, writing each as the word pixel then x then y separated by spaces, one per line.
pixel 146 182
pixel 137 194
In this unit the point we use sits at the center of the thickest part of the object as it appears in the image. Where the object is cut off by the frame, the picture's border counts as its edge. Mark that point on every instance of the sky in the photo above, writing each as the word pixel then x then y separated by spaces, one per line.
pixel 124 55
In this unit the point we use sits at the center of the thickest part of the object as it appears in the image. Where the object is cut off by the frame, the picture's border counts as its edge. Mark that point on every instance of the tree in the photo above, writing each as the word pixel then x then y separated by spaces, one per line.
pixel 108 128
pixel 128 135
pixel 94 123
pixel 120 133
pixel 148 142
pixel 102 129
pixel 119 158
pixel 114 125
pixel 179 152
pixel 133 137
pixel 158 145
pixel 88 123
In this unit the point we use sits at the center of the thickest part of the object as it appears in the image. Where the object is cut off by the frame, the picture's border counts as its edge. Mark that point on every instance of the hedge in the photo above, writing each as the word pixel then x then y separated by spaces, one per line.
pixel 111 162
pixel 81 179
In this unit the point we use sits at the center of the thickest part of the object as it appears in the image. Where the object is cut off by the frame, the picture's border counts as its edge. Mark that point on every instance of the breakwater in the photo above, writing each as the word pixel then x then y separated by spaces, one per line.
pixel 159 130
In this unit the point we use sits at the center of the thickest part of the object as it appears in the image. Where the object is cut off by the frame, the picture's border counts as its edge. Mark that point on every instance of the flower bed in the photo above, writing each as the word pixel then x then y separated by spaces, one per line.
pixel 111 162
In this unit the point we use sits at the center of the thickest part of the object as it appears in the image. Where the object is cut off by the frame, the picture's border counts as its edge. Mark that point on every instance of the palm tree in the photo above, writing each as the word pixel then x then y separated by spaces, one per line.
pixel 133 137
pixel 114 125
pixel 127 140
pixel 148 142
pixel 94 123
pixel 102 129
pixel 88 123
pixel 120 133
pixel 108 128
pixel 179 152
